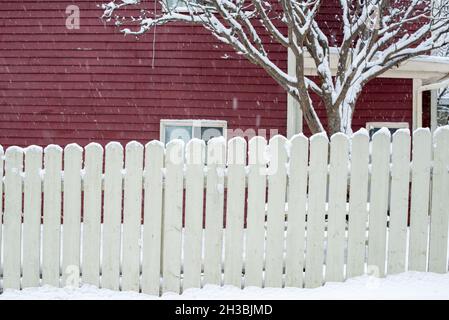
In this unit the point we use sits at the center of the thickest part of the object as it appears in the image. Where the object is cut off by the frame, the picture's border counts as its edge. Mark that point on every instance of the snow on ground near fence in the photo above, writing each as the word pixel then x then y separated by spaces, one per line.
pixel 410 285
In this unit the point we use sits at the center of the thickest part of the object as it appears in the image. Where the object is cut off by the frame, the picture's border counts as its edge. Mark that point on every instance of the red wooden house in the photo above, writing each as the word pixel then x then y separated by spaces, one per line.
pixel 60 85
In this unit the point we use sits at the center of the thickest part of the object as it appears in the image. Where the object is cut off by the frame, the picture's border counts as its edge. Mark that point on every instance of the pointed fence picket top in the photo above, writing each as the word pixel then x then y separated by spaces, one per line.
pixel 71 236
pixel 290 211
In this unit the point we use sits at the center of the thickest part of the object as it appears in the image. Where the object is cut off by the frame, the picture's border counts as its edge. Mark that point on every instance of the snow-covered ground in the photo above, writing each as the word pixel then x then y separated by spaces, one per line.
pixel 410 285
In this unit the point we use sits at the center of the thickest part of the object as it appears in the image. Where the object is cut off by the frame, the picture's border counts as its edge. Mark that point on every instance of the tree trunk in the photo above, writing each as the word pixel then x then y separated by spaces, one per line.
pixel 333 121
pixel 308 112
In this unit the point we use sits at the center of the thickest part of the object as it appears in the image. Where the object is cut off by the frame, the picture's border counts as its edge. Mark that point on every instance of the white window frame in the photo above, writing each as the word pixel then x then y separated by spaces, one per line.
pixel 191 123
pixel 178 8
pixel 388 125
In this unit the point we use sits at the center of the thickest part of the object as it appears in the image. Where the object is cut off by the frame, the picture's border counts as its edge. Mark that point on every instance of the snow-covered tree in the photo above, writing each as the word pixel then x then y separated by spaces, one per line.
pixel 376 35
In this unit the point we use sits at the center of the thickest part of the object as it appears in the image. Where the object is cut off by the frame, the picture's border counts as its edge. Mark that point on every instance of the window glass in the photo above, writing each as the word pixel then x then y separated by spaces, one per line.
pixel 208 133
pixel 178 132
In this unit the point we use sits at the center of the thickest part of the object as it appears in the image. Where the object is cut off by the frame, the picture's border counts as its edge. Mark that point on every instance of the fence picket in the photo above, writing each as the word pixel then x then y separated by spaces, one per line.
pixel 419 202
pixel 336 229
pixel 296 213
pixel 277 188
pixel 112 220
pixel 12 218
pixel 316 211
pixel 172 220
pixel 233 263
pixel 93 168
pixel 32 217
pixel 213 233
pixel 132 216
pixel 400 176
pixel 255 230
pixel 153 205
pixel 71 236
pixel 193 235
pixel 439 216
pixel 377 235
pixel 52 216
pixel 358 214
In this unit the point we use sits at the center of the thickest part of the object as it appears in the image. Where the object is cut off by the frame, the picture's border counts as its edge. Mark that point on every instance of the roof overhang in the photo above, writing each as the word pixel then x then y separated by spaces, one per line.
pixel 428 68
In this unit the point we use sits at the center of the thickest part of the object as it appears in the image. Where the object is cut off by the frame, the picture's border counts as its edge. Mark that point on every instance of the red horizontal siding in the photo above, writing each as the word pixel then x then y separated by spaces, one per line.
pixel 94 84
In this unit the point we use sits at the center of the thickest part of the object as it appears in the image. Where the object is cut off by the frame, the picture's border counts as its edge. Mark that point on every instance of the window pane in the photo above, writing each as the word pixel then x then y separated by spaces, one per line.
pixel 208 133
pixel 172 4
pixel 178 132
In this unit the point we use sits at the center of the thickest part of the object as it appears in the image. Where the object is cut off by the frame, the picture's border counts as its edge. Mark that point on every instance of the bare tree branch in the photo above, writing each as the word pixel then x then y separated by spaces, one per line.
pixel 376 35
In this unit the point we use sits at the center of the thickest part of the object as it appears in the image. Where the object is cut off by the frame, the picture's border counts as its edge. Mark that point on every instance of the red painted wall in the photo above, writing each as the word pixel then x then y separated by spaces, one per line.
pixel 94 84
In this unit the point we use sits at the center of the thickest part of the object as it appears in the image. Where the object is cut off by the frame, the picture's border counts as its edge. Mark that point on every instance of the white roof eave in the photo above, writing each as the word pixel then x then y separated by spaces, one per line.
pixel 429 68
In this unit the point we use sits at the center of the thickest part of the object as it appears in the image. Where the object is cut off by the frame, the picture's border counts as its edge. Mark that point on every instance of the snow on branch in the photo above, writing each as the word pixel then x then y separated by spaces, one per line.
pixel 374 36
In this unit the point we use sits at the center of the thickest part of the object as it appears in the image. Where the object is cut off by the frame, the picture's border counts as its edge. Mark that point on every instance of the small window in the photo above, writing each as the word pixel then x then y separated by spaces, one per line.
pixel 177 5
pixel 373 127
pixel 189 129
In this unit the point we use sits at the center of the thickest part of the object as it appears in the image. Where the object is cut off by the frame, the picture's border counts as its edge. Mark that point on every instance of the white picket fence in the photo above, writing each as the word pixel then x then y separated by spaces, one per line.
pixel 315 211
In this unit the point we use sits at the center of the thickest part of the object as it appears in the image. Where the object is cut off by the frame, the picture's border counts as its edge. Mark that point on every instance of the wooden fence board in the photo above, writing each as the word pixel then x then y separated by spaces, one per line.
pixel 12 218
pixel 316 211
pixel 172 221
pixel 255 229
pixel 71 236
pixel 51 247
pixel 400 176
pixel 419 202
pixel 215 189
pixel 336 228
pixel 112 211
pixel 152 229
pixel 32 204
pixel 380 175
pixel 439 216
pixel 277 185
pixel 358 196
pixel 193 234
pixel 132 216
pixel 93 168
pixel 296 213
pixel 235 206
